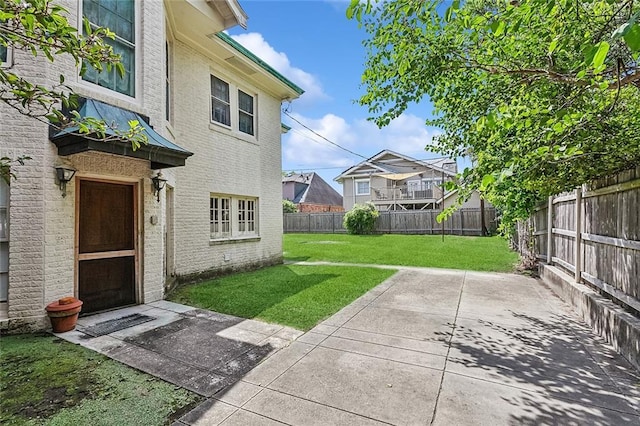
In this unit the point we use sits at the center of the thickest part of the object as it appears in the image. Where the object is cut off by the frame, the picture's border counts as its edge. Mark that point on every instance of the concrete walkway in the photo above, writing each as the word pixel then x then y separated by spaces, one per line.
pixel 196 349
pixel 425 347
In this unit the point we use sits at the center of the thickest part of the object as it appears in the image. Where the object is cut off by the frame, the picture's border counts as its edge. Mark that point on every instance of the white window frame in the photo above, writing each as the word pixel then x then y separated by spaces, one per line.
pixel 223 101
pixel 247 208
pixel 241 217
pixel 220 216
pixel 8 60
pixel 137 62
pixel 234 108
pixel 251 114
pixel 357 187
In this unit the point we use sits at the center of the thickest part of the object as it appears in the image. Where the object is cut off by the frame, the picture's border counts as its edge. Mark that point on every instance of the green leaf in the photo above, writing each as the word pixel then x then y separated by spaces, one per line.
pixel 620 31
pixel 589 52
pixel 558 127
pixel 600 54
pixel 543 150
pixel 632 37
pixel 487 180
pixel 29 22
pixel 350 10
pixel 553 45
pixel 491 120
pixel 449 13
pixel 498 28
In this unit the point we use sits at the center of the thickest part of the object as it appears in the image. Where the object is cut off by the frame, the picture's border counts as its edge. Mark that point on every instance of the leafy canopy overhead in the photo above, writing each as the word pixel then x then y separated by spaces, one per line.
pixel 41 27
pixel 541 94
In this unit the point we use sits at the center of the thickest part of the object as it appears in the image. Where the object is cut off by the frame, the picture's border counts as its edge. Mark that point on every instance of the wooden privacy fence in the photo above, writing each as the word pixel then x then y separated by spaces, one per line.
pixel 594 235
pixel 462 222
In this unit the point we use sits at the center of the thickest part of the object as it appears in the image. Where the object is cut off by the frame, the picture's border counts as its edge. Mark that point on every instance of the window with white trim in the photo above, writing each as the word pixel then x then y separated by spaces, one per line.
pixel 245 112
pixel 4 240
pixel 119 17
pixel 362 187
pixel 246 216
pixel 232 107
pixel 232 216
pixel 220 216
pixel 5 56
pixel 220 102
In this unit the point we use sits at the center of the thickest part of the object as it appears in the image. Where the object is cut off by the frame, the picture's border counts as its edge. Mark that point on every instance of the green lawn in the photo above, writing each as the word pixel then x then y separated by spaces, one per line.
pixel 300 296
pixel 45 380
pixel 294 295
pixel 470 253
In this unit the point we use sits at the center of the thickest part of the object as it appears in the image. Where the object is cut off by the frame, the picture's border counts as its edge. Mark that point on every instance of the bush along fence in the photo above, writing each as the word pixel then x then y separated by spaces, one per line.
pixel 593 234
pixel 462 222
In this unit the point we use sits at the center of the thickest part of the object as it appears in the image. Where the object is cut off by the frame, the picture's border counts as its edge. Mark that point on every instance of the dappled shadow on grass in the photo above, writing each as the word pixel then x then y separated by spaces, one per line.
pixel 298 296
pixel 560 380
pixel 249 294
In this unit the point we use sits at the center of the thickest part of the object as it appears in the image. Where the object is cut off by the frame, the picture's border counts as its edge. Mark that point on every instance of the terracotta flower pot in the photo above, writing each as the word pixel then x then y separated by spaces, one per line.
pixel 63 314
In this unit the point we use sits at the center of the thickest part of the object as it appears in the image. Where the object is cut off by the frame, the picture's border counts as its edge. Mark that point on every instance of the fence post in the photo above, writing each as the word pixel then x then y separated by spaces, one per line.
pixel 309 222
pixel 483 228
pixel 431 223
pixel 549 229
pixel 461 222
pixel 578 246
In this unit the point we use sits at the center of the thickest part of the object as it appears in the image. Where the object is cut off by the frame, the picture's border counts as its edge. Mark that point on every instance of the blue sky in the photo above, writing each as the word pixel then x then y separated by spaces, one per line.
pixel 312 43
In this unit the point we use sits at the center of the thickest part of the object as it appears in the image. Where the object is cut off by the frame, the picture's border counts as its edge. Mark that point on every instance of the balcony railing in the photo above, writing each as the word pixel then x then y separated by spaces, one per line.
pixel 414 192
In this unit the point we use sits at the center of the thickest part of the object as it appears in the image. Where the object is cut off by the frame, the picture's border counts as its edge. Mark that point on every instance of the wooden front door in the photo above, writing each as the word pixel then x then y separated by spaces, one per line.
pixel 106 245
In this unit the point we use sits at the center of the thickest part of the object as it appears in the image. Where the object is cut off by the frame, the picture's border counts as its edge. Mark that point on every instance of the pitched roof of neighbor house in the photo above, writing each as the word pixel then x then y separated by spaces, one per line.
pixel 313 189
pixel 382 167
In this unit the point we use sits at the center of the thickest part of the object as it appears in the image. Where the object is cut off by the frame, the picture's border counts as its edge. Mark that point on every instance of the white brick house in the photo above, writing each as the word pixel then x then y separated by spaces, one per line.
pixel 213 111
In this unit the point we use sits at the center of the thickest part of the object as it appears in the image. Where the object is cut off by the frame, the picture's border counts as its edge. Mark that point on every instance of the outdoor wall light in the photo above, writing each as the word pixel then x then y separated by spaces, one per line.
pixel 64 175
pixel 158 183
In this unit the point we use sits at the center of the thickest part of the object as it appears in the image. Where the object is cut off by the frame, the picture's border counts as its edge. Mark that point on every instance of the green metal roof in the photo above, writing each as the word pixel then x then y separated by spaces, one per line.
pixel 161 152
pixel 227 39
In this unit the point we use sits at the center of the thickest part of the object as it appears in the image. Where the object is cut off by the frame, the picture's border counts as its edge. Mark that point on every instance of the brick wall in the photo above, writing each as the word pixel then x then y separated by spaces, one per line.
pixel 224 162
pixel 42 222
pixel 22 136
pixel 318 208
pixel 42 232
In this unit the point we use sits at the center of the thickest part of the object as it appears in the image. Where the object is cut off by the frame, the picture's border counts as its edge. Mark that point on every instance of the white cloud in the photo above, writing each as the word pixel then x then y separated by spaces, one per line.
pixel 406 134
pixel 303 148
pixel 280 62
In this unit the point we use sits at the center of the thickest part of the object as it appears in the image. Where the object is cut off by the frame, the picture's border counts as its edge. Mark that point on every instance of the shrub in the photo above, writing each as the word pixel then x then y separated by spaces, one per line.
pixel 289 207
pixel 361 219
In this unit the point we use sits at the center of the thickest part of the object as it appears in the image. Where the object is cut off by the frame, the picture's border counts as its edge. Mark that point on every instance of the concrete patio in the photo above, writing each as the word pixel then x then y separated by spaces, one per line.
pixel 425 347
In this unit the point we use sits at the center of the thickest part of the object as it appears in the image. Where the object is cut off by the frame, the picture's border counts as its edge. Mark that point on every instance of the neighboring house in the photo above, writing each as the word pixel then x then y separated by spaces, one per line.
pixel 393 181
pixel 310 193
pixel 211 110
